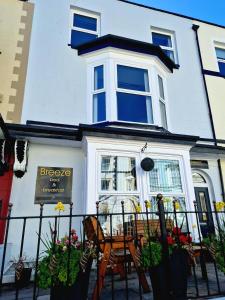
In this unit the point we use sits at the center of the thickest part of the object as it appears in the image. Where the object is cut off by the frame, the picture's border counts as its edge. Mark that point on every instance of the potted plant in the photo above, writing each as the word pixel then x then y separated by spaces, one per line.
pixel 23 270
pixel 215 243
pixel 172 278
pixel 53 270
pixel 65 265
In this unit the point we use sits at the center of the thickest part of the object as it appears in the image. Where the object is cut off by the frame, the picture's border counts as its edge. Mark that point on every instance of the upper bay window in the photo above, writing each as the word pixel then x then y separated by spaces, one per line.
pixel 166 41
pixel 220 54
pixel 127 93
pixel 85 27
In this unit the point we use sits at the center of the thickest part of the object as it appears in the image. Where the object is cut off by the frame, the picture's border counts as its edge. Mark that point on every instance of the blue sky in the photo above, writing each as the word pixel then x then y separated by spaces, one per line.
pixel 208 10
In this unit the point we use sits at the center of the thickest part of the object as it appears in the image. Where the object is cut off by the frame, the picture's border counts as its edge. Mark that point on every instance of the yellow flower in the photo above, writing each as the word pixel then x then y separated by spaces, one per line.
pixel 166 200
pixel 60 206
pixel 138 208
pixel 148 204
pixel 177 205
pixel 220 205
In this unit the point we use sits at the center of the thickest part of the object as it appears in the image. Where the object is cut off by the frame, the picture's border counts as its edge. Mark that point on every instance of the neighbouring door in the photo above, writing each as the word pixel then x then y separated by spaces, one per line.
pixel 5 190
pixel 204 210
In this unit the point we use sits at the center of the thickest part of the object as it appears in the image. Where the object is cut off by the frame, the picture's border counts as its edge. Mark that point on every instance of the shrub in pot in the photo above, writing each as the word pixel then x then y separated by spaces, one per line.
pixel 168 281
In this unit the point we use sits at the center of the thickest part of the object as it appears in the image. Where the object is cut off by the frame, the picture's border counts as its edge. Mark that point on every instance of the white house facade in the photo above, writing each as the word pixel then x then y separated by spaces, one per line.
pixel 109 84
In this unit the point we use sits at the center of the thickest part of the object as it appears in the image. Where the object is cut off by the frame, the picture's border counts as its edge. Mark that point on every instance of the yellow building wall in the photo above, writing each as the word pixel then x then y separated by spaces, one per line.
pixel 209 36
pixel 15 29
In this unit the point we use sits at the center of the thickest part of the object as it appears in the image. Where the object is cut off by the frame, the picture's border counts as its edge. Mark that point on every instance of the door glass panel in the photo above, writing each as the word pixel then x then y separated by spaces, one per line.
pixel 203 206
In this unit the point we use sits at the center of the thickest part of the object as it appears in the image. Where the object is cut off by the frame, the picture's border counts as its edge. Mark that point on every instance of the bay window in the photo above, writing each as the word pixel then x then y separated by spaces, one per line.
pixel 121 89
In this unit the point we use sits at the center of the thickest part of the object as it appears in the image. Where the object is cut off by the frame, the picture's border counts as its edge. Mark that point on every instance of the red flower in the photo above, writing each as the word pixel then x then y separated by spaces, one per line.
pixel 176 231
pixel 170 240
pixel 183 239
pixel 75 237
pixel 73 231
pixel 189 238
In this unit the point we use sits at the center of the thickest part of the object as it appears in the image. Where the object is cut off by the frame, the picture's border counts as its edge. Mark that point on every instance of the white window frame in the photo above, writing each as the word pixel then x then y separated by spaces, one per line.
pixel 173 41
pixel 164 101
pixel 133 92
pixel 99 91
pixel 83 12
pixel 110 59
pixel 182 176
pixel 116 193
pixel 220 46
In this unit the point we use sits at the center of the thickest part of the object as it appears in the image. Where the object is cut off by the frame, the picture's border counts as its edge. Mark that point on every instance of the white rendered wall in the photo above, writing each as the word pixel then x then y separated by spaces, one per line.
pixel 23 191
pixel 56 81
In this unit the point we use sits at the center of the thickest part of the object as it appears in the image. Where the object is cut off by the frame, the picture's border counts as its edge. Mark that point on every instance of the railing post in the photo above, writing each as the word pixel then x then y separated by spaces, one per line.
pixel 5 242
pixel 38 250
pixel 165 247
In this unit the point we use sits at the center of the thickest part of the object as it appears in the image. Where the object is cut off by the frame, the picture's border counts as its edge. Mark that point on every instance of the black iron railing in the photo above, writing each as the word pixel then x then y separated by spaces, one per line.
pixel 146 242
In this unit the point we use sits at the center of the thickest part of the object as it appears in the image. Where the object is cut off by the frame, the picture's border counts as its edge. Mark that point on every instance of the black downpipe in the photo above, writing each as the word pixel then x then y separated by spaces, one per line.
pixel 195 28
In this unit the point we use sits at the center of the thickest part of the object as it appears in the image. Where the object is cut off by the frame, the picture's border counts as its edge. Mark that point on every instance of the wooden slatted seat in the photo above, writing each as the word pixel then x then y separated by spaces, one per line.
pixel 115 244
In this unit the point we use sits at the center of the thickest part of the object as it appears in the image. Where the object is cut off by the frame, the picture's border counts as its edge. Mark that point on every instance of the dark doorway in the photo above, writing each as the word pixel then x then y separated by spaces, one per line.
pixel 204 211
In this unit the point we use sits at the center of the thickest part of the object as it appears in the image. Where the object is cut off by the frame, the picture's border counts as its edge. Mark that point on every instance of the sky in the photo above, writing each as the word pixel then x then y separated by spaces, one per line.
pixel 207 10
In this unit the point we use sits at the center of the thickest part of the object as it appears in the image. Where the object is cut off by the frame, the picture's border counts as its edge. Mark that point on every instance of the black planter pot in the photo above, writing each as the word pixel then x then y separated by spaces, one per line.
pixel 175 281
pixel 78 291
pixel 24 278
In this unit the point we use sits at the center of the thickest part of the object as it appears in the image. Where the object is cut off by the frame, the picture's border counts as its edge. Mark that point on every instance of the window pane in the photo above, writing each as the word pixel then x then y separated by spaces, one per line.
pixel 161 39
pixel 99 109
pixel 161 88
pixel 98 78
pixel 134 108
pixel 165 177
pixel 85 22
pixel 78 37
pixel 220 53
pixel 163 114
pixel 118 174
pixel 170 54
pixel 222 67
pixel 112 204
pixel 197 178
pixel 132 78
pixel 168 206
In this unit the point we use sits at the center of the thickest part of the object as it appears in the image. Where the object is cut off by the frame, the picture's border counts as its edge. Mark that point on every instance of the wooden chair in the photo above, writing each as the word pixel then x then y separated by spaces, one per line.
pixel 107 245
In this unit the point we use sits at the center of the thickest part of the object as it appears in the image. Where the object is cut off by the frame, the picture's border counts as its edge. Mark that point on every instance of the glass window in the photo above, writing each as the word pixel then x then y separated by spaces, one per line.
pixel 84 29
pixel 161 39
pixel 135 108
pixel 165 41
pixel 78 37
pixel 99 101
pixel 130 78
pixel 134 102
pixel 220 53
pixel 85 22
pixel 119 174
pixel 162 103
pixel 197 178
pixel 168 177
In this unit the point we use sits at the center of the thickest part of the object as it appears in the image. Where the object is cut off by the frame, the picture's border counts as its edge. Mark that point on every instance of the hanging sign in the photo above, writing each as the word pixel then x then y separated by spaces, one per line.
pixel 53 185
